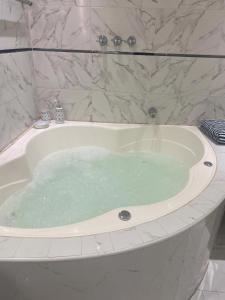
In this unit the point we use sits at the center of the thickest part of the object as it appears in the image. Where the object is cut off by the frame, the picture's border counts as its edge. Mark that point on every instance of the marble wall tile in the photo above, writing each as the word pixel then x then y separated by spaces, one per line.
pixel 116 3
pixel 96 3
pixel 121 108
pixel 13 26
pixel 205 4
pixel 9 246
pixel 161 3
pixel 165 27
pixel 197 4
pixel 65 248
pixel 64 25
pixel 126 74
pixel 63 70
pixel 100 106
pixel 166 270
pixel 165 30
pixel 16 74
pixel 208 34
pixel 121 21
pixel 123 276
pixel 32 248
pixel 163 75
pixel 202 4
pixel 200 243
pixel 190 109
pixel 77 104
pixel 14 120
pixel 95 106
pixel 120 88
pixel 60 2
pixel 17 110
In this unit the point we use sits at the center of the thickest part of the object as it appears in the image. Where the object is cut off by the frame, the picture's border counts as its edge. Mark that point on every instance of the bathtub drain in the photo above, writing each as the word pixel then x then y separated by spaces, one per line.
pixel 125 215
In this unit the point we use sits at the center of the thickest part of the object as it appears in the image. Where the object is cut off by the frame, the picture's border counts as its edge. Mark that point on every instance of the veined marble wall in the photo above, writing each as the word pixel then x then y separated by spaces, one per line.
pixel 17 109
pixel 121 88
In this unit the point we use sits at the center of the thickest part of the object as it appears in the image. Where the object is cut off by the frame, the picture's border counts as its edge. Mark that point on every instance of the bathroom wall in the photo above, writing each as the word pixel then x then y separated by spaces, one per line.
pixel 121 88
pixel 17 109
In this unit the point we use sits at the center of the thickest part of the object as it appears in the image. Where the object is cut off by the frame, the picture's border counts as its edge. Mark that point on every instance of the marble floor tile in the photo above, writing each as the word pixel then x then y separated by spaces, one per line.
pixel 203 295
pixel 215 277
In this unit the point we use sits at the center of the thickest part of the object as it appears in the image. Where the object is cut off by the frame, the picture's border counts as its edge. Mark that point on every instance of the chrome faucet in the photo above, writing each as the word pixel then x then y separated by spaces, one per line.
pixel 131 41
pixel 103 40
pixel 117 40
pixel 152 112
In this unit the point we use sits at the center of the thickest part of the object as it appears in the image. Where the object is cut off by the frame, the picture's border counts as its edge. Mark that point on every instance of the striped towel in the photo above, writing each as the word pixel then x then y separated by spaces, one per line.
pixel 214 129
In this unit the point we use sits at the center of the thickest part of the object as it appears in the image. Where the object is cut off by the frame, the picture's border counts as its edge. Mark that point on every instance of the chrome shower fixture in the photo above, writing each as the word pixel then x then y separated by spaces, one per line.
pixel 131 41
pixel 28 2
pixel 117 41
pixel 102 40
pixel 152 112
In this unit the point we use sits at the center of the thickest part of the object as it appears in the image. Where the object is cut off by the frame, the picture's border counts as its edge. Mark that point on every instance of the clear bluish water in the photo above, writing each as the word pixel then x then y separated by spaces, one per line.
pixel 75 185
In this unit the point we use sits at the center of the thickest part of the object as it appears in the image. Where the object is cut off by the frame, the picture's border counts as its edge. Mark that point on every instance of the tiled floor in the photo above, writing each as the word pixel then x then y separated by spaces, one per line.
pixel 204 295
pixel 213 285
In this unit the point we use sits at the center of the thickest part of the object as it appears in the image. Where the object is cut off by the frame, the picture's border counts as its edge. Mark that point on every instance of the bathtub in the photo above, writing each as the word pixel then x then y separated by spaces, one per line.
pixel 161 253
pixel 187 144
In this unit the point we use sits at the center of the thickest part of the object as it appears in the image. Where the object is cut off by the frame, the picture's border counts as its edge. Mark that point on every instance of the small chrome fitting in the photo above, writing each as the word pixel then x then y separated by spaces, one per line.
pixel 117 41
pixel 131 41
pixel 152 112
pixel 102 40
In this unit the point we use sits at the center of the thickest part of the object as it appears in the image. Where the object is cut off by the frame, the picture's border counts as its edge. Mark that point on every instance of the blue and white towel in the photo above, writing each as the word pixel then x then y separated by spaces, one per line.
pixel 215 129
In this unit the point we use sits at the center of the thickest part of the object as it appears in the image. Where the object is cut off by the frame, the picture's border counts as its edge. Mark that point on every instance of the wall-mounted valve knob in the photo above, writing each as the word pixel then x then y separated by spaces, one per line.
pixel 102 40
pixel 117 41
pixel 131 41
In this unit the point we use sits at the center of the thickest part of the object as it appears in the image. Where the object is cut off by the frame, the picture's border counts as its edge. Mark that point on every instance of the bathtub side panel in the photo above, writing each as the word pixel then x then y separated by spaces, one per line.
pixel 167 270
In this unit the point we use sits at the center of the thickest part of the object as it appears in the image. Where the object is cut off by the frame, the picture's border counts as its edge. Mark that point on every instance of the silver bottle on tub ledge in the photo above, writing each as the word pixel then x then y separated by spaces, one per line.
pixel 59 113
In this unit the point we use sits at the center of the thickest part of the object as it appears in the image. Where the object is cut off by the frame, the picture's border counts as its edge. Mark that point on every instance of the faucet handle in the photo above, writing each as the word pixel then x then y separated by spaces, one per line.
pixel 102 40
pixel 131 41
pixel 117 41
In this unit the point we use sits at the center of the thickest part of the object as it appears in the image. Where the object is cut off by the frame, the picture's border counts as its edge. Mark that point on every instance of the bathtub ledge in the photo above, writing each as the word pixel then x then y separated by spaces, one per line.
pixel 40 249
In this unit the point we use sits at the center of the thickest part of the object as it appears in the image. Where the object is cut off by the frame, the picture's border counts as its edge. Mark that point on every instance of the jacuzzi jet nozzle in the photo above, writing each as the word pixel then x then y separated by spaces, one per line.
pixel 125 215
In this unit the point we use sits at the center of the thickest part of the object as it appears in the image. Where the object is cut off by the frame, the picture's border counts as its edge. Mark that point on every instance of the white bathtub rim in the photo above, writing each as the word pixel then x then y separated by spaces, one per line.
pixel 40 249
pixel 140 214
